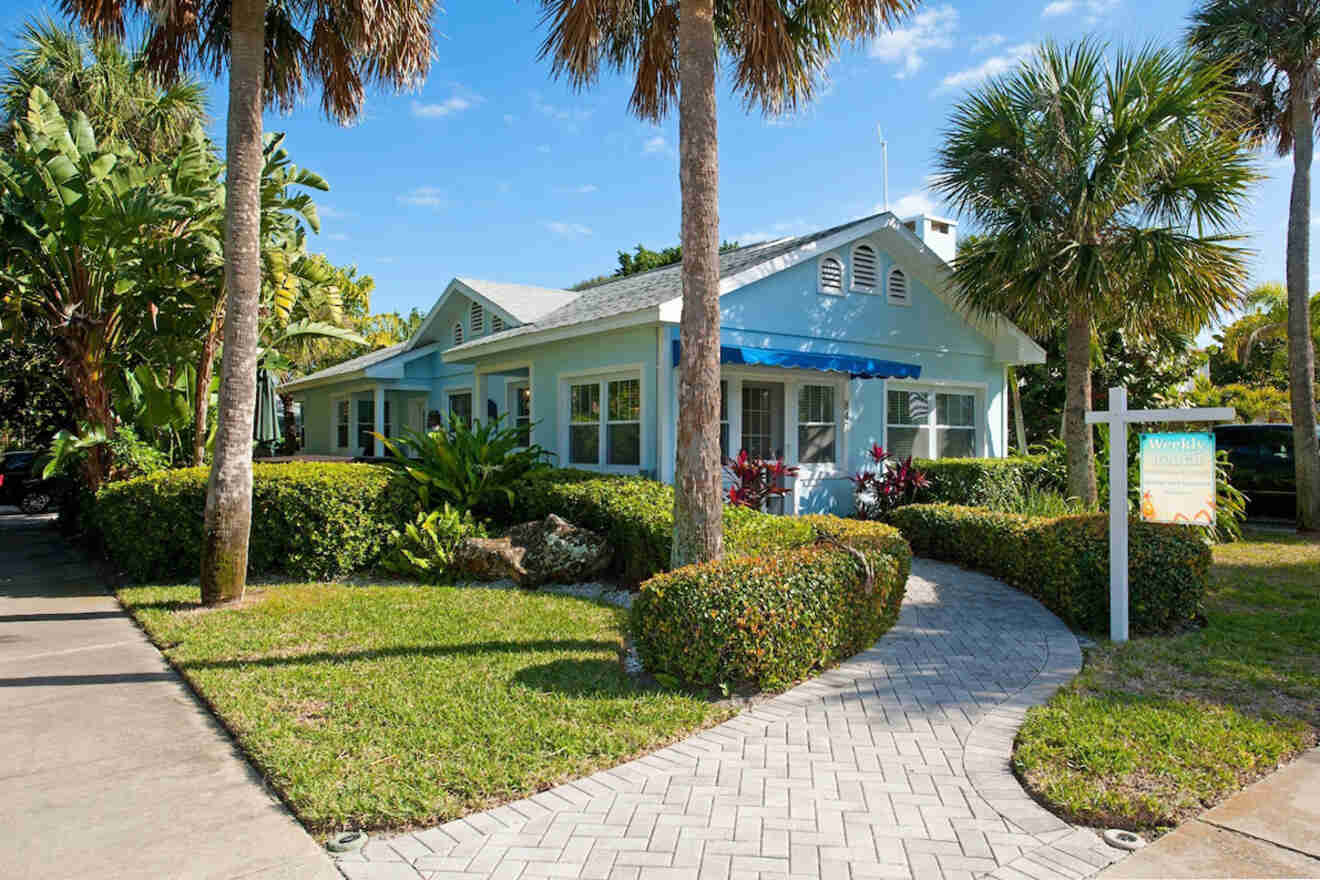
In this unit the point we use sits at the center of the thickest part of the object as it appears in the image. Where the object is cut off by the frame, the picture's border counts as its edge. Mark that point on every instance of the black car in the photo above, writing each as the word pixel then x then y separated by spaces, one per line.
pixel 1264 467
pixel 22 485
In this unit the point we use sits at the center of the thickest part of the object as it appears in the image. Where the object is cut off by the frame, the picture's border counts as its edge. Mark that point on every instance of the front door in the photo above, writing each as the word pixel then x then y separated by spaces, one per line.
pixel 417 415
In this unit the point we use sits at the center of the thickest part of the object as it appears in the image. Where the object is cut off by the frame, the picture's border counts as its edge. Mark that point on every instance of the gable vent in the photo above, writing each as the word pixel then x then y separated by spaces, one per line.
pixel 496 324
pixel 863 267
pixel 898 289
pixel 478 319
pixel 458 333
pixel 831 276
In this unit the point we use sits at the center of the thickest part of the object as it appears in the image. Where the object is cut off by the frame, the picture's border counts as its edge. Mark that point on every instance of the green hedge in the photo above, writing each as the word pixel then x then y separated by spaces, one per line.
pixel 309 519
pixel 1064 562
pixel 770 620
pixel 982 482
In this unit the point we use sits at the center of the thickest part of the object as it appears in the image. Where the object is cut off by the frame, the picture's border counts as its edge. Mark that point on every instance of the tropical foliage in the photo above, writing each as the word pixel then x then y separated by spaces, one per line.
pixel 424 549
pixel 885 483
pixel 756 480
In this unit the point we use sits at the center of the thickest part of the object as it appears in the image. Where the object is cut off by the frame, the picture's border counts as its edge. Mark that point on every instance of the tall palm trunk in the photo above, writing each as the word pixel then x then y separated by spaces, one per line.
pixel 1077 434
pixel 698 506
pixel 229 492
pixel 202 393
pixel 1019 421
pixel 1301 353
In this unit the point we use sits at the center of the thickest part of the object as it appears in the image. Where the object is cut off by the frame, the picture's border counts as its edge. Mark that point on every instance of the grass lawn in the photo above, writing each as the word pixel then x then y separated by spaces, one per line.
pixel 394 706
pixel 1157 730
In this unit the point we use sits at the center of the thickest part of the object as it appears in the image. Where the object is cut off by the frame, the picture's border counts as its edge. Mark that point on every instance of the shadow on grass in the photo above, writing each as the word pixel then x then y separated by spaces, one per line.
pixel 577 678
pixel 170 605
pixel 473 649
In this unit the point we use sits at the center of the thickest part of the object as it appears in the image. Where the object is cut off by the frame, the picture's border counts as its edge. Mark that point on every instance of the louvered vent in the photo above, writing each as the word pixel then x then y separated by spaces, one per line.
pixel 898 289
pixel 458 334
pixel 478 319
pixel 496 324
pixel 863 267
pixel 831 276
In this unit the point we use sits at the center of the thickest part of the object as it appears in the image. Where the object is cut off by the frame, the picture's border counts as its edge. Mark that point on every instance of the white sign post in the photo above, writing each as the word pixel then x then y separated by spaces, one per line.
pixel 1118 418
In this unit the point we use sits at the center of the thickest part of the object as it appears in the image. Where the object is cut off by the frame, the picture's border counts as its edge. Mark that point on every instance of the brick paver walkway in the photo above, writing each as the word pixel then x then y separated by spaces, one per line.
pixel 892 765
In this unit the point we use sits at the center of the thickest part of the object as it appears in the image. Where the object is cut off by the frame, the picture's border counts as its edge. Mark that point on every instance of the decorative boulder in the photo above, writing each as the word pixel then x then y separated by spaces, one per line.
pixel 547 551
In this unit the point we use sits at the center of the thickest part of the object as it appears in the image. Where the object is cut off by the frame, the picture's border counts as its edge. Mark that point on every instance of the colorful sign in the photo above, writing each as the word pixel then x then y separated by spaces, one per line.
pixel 1178 478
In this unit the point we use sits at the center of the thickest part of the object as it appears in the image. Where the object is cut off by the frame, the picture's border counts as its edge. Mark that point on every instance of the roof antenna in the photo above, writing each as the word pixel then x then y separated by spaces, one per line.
pixel 884 153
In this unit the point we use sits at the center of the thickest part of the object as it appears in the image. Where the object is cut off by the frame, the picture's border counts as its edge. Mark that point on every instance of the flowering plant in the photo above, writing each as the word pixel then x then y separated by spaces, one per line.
pixel 756 480
pixel 888 482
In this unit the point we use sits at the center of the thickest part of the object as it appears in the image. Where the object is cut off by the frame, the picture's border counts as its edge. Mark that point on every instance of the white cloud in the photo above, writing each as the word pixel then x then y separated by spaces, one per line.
pixel 656 146
pixel 584 189
pixel 916 202
pixel 338 236
pixel 928 30
pixel 565 118
pixel 1094 10
pixel 543 148
pixel 568 230
pixel 330 212
pixel 987 41
pixel 1058 7
pixel 782 229
pixel 424 196
pixel 456 104
pixel 990 67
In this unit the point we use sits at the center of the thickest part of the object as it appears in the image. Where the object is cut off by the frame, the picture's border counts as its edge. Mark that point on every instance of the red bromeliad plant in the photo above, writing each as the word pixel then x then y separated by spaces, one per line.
pixel 756 480
pixel 888 483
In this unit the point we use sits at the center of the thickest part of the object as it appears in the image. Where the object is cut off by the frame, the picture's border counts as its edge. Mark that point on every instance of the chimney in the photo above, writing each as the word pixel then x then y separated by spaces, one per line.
pixel 940 234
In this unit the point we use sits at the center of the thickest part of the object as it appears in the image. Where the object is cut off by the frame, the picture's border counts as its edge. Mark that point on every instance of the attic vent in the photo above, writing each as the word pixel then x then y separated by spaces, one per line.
pixel 898 289
pixel 496 324
pixel 478 319
pixel 863 267
pixel 458 333
pixel 831 275
pixel 911 224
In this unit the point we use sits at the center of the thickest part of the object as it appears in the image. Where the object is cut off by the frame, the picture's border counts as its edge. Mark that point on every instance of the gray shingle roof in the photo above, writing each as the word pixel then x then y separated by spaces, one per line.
pixel 647 289
pixel 524 302
pixel 360 362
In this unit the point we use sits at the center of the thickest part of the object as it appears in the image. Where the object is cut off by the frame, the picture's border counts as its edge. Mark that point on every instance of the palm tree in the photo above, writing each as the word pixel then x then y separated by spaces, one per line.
pixel 1266 318
pixel 271 49
pixel 1101 190
pixel 778 51
pixel 1270 50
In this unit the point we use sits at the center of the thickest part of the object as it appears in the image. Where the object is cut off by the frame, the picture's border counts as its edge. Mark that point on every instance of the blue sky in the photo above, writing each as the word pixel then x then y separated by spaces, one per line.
pixel 494 170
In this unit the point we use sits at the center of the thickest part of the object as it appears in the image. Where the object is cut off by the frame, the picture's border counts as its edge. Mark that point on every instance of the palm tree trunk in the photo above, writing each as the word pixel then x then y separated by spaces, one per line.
pixel 1077 434
pixel 1019 422
pixel 1301 353
pixel 229 491
pixel 698 506
pixel 202 393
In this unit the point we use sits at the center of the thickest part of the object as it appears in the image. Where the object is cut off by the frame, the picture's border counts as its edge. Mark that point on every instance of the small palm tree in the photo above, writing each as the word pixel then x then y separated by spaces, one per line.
pixel 1270 52
pixel 271 49
pixel 778 51
pixel 1100 189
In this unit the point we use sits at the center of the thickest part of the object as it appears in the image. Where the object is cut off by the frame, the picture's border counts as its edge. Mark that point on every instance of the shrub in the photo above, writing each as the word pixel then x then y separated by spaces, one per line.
pixel 997 483
pixel 424 549
pixel 1064 561
pixel 772 619
pixel 309 519
pixel 756 480
pixel 885 483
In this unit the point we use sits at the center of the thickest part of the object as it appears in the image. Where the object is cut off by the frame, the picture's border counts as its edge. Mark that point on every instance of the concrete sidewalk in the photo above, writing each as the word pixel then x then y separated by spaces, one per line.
pixel 1271 829
pixel 109 767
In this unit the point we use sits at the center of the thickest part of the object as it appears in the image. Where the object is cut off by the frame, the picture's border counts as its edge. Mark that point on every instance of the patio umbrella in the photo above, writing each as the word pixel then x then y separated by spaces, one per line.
pixel 266 425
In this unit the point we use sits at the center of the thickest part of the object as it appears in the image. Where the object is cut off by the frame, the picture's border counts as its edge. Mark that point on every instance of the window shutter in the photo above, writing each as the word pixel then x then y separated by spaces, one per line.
pixel 898 289
pixel 831 276
pixel 496 324
pixel 863 267
pixel 478 319
pixel 458 334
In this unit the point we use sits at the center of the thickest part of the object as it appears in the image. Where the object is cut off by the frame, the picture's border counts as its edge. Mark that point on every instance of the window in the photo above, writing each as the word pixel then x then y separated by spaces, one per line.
pixel 341 423
pixel 496 324
pixel 898 288
pixel 758 421
pixel 831 275
pixel 460 407
pixel 477 319
pixel 816 425
pixel 931 424
pixel 522 413
pixel 724 419
pixel 624 432
pixel 584 423
pixel 863 268
pixel 458 333
pixel 366 422
pixel 941 228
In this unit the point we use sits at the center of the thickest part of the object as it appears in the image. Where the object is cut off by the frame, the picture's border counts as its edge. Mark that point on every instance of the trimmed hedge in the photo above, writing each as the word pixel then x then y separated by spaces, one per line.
pixel 309 519
pixel 981 482
pixel 1064 562
pixel 770 620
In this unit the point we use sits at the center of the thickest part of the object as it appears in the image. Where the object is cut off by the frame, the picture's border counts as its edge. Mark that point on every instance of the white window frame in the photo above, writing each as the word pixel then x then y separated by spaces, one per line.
pixel 978 391
pixel 511 391
pixel 451 391
pixel 334 422
pixel 835 423
pixel 603 377
pixel 907 287
pixel 820 275
pixel 875 258
pixel 792 380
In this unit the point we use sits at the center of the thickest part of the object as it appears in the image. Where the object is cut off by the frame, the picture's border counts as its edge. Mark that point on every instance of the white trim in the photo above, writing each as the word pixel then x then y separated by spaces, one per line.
pixel 979 392
pixel 602 377
pixel 334 422
pixel 493 345
pixel 457 287
pixel 820 275
pixel 852 273
pixel 664 372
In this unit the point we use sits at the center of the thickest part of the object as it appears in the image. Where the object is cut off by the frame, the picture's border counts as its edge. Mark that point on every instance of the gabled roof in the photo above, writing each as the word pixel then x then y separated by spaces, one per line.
pixel 518 304
pixel 356 365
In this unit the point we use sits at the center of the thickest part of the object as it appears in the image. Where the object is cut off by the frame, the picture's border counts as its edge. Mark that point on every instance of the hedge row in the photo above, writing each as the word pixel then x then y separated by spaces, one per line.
pixel 309 519
pixel 983 482
pixel 770 620
pixel 1064 562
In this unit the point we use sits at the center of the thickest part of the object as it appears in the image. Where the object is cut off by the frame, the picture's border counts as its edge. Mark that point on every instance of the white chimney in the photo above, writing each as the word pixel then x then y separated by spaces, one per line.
pixel 940 234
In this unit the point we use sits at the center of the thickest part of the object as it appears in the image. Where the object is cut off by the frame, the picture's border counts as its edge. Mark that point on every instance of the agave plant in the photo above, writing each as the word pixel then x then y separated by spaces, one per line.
pixel 475 467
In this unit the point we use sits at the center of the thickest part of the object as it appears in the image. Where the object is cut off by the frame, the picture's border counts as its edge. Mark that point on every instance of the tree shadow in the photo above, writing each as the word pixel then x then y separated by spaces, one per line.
pixel 473 649
pixel 578 678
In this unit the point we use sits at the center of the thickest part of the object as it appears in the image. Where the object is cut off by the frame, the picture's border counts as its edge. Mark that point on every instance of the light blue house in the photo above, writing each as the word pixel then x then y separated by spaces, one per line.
pixel 830 342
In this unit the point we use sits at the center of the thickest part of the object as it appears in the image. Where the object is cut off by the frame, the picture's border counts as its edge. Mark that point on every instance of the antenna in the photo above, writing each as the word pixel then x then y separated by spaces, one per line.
pixel 884 154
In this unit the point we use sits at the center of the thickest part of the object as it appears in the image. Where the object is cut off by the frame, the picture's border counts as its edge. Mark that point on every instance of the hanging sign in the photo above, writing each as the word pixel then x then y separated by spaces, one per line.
pixel 1178 478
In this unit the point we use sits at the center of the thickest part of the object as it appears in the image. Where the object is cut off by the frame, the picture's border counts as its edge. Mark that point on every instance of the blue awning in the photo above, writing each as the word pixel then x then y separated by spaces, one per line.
pixel 856 367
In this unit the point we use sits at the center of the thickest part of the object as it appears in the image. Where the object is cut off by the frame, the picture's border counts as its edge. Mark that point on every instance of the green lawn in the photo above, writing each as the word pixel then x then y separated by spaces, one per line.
pixel 393 706
pixel 1157 730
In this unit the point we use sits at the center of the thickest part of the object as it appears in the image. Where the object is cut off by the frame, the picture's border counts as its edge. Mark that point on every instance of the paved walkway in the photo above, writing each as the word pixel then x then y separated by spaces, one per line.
pixel 893 765
pixel 109 768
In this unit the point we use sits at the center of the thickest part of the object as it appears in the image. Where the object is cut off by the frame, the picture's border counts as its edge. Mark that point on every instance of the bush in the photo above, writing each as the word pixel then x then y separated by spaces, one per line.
pixel 423 550
pixel 772 619
pixel 1064 561
pixel 997 483
pixel 309 519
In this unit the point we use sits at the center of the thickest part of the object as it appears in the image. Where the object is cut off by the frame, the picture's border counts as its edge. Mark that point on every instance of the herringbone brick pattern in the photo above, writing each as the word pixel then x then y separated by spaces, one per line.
pixel 892 765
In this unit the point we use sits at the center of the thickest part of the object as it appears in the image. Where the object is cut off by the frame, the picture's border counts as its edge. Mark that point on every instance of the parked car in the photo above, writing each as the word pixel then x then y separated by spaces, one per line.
pixel 22 485
pixel 1263 466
